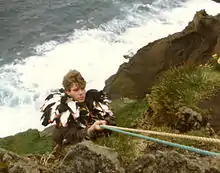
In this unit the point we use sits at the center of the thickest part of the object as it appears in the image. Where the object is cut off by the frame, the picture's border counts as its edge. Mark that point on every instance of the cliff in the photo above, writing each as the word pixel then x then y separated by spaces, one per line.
pixel 195 43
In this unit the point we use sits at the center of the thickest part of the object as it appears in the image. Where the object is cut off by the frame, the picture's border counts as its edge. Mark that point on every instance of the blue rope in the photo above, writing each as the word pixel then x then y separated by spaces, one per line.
pixel 197 150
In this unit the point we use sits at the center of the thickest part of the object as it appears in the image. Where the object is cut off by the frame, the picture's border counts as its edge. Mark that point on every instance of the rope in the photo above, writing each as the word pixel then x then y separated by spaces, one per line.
pixel 196 150
pixel 197 138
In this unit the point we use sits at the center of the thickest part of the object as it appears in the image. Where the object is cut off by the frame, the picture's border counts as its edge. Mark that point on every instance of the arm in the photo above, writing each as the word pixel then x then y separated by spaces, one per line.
pixel 76 134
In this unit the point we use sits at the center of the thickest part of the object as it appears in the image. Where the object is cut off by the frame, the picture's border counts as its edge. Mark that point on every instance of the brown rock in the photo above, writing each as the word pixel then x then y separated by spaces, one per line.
pixel 13 163
pixel 87 157
pixel 196 43
pixel 172 161
pixel 212 105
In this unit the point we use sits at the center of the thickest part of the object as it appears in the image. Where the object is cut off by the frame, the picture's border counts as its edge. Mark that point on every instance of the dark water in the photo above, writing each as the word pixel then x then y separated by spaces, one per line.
pixel 27 23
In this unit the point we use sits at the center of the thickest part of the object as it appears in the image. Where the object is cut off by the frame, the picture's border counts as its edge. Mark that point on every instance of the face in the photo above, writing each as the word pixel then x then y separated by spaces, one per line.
pixel 77 93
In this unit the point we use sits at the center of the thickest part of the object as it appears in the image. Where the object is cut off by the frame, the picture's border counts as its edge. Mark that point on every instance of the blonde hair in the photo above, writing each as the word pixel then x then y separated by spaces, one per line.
pixel 73 77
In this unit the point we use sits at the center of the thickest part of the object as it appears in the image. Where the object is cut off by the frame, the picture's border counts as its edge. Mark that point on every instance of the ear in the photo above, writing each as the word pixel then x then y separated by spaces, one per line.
pixel 67 92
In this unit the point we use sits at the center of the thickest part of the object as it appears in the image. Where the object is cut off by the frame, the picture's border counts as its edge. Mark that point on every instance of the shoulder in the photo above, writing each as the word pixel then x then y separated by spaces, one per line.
pixel 94 97
pixel 54 98
pixel 57 103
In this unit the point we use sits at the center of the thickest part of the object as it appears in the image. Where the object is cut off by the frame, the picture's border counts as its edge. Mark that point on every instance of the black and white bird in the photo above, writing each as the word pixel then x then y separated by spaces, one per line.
pixel 59 108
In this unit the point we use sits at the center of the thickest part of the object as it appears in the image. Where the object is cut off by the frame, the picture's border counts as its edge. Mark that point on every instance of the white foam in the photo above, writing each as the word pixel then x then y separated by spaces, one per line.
pixel 96 53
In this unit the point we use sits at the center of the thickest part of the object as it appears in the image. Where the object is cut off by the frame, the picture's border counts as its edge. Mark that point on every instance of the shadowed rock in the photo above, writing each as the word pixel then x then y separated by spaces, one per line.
pixel 196 43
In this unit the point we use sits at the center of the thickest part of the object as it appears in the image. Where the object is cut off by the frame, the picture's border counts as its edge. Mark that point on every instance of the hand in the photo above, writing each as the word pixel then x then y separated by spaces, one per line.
pixel 96 126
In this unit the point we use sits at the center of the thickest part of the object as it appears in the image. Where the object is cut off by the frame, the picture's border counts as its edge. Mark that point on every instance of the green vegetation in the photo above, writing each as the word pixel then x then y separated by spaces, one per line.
pixel 186 86
pixel 29 142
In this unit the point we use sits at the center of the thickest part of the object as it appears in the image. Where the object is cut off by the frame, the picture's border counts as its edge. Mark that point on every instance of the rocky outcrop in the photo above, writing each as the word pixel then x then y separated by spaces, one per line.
pixel 84 157
pixel 189 119
pixel 13 163
pixel 213 108
pixel 172 161
pixel 87 157
pixel 196 43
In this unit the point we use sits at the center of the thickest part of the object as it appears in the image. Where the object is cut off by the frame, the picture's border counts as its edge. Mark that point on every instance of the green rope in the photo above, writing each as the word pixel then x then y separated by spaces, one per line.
pixel 196 150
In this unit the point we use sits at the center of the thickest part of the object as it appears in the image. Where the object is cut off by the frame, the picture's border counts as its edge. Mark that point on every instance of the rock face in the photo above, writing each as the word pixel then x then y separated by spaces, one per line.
pixel 196 43
pixel 189 120
pixel 214 111
pixel 84 157
pixel 13 163
pixel 167 162
pixel 89 158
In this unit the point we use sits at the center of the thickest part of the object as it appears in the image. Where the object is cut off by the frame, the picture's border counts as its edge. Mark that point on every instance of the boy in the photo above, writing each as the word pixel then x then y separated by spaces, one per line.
pixel 78 114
